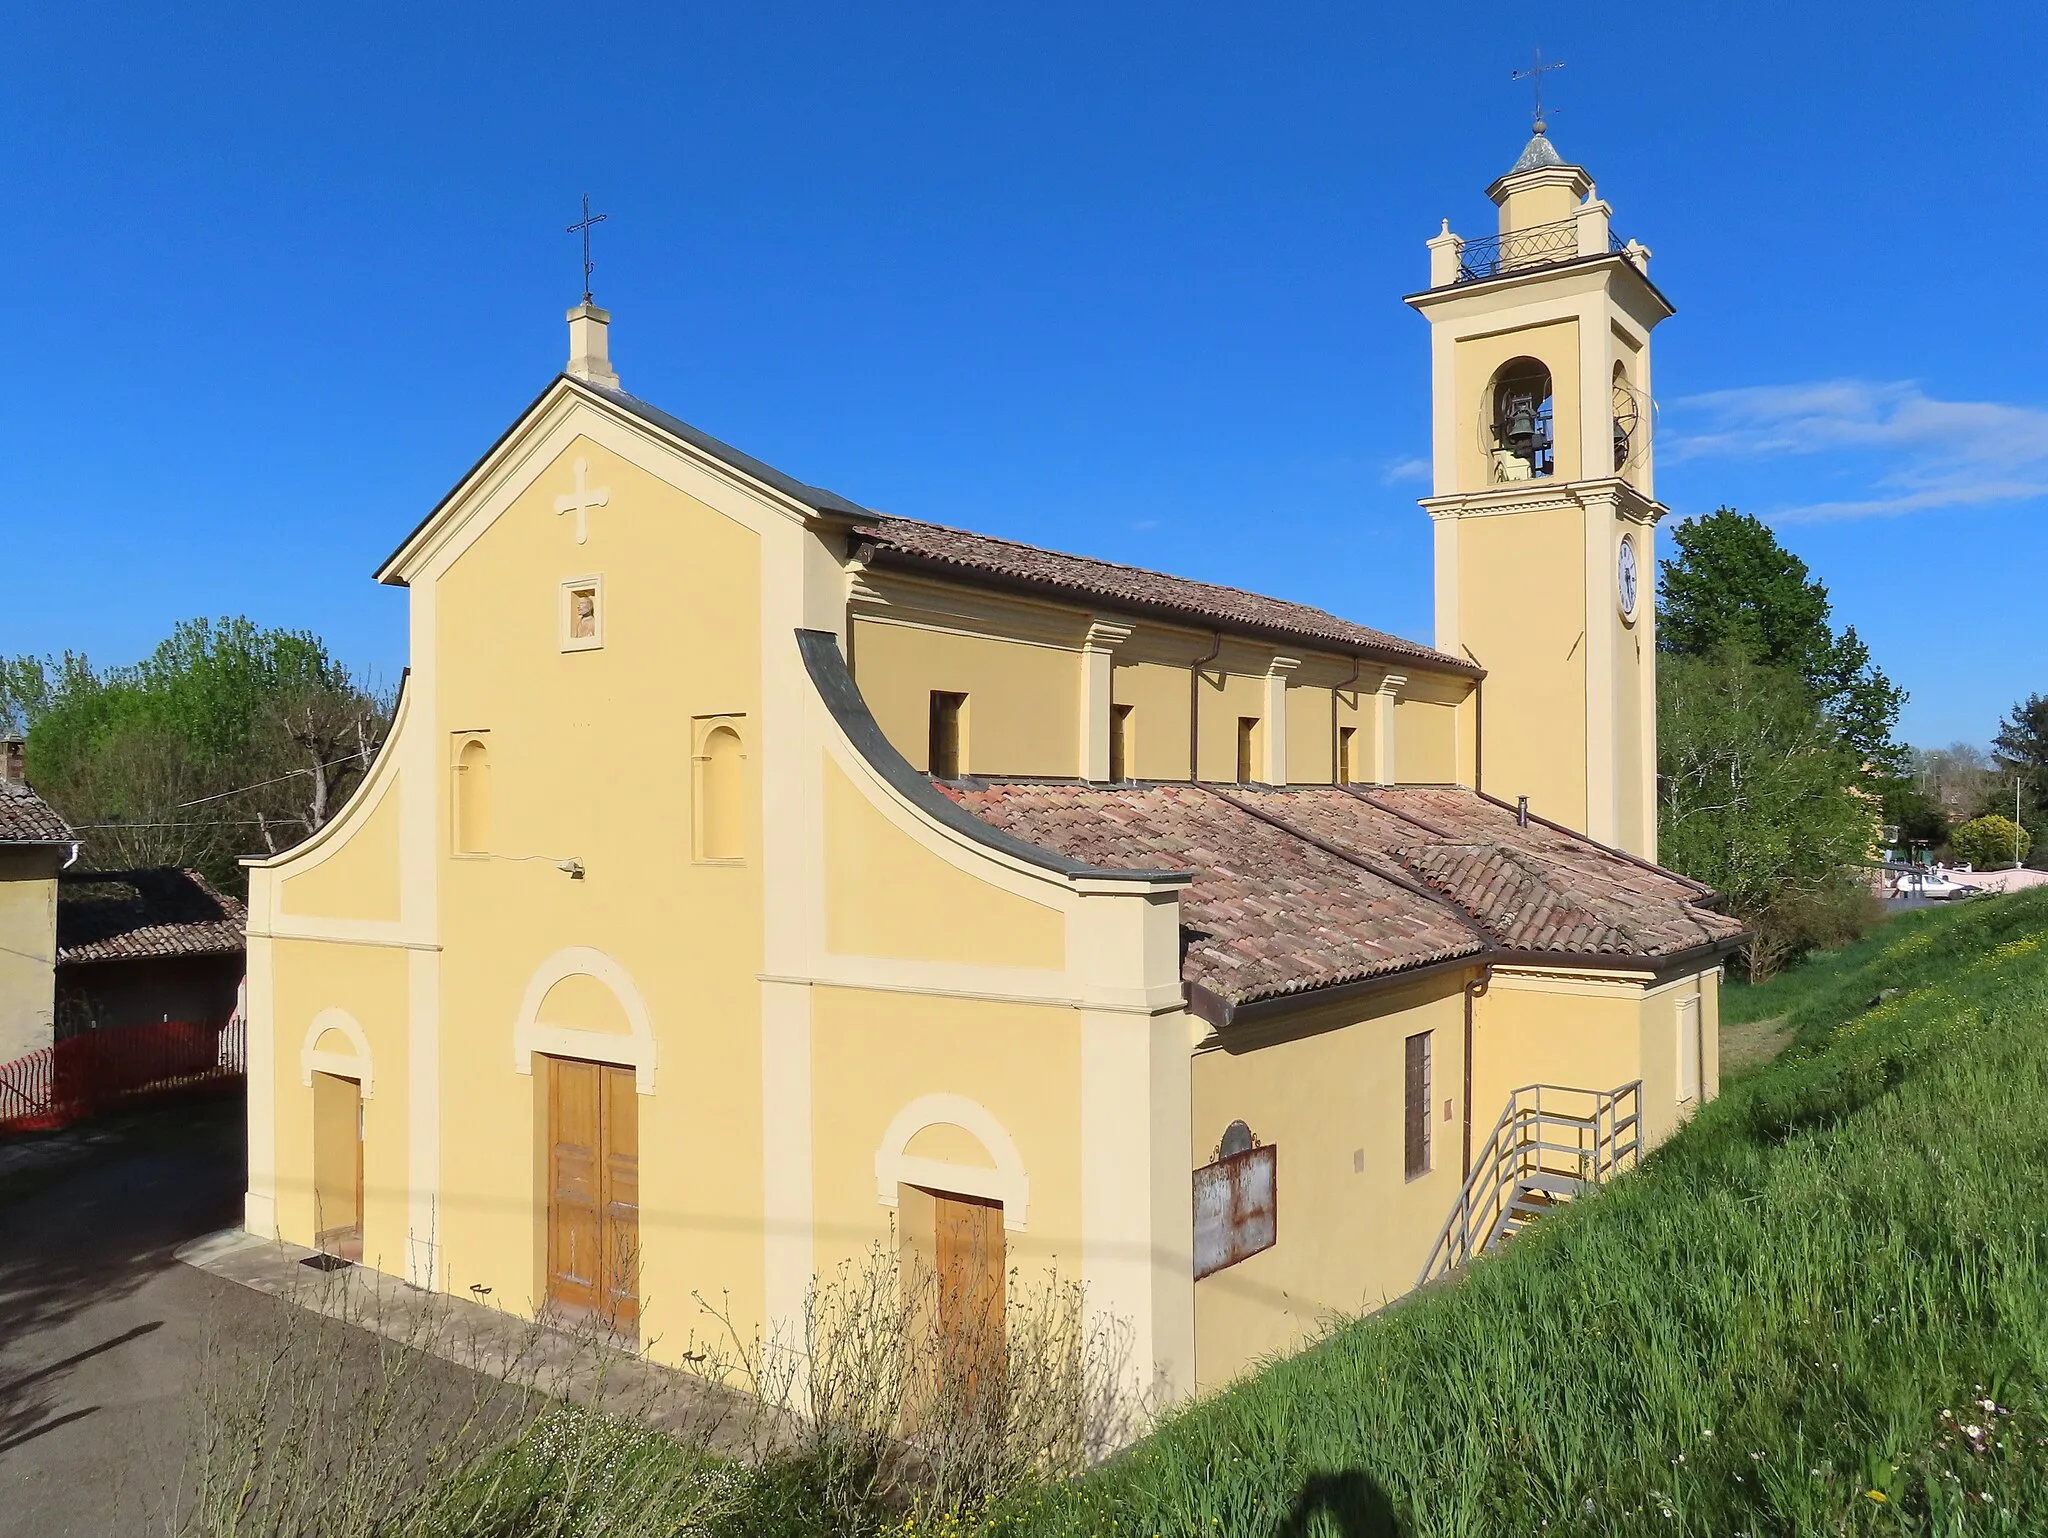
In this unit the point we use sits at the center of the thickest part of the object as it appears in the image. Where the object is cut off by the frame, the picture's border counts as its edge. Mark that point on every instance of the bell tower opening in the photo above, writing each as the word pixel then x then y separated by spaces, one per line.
pixel 1520 418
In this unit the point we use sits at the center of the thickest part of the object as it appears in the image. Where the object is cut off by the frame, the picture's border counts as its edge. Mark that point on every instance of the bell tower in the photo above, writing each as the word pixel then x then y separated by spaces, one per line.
pixel 1544 501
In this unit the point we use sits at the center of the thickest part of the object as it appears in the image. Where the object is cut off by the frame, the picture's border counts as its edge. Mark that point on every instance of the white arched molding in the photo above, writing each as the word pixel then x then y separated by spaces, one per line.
pixel 1006 1183
pixel 352 1064
pixel 635 1051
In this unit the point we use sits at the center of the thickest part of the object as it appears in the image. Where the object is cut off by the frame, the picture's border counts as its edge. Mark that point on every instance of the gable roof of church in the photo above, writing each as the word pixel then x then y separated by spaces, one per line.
pixel 906 541
pixel 1006 562
pixel 986 560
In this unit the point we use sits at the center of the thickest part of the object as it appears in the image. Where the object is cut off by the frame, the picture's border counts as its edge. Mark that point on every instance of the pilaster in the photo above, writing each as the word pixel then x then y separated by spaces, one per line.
pixel 1098 648
pixel 1603 813
pixel 259 1036
pixel 1274 770
pixel 1383 727
pixel 788 1262
pixel 1137 1244
pixel 423 1115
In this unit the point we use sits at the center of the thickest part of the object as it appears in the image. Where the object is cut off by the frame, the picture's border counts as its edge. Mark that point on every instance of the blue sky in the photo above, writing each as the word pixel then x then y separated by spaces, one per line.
pixel 1115 278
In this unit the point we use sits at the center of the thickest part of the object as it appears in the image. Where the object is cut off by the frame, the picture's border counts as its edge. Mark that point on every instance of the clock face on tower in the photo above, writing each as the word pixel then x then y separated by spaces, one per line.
pixel 1625 578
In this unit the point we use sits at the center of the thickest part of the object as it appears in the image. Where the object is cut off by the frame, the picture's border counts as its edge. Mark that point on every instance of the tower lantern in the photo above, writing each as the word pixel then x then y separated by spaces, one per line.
pixel 1544 498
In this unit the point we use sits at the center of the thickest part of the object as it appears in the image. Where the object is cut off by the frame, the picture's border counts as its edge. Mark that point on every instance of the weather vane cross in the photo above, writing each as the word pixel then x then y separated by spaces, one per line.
pixel 1533 74
pixel 582 227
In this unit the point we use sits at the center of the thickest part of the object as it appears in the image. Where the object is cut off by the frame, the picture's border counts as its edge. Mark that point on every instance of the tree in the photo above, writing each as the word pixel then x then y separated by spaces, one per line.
pixel 2021 748
pixel 1732 587
pixel 227 740
pixel 1991 841
pixel 1761 799
pixel 1959 779
pixel 1917 813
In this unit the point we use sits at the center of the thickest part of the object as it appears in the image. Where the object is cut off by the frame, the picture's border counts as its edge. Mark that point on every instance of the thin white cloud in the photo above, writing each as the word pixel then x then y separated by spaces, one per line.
pixel 1922 453
pixel 1406 470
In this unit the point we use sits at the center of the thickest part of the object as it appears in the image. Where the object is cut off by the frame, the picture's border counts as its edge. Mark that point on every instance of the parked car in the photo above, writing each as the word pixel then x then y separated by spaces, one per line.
pixel 1933 886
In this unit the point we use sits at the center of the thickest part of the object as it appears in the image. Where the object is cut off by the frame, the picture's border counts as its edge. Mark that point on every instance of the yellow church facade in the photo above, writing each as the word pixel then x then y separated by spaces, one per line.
pixel 750 878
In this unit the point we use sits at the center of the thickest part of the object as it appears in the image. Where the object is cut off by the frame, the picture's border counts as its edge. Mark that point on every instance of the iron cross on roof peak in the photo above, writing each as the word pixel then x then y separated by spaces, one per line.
pixel 1534 75
pixel 583 226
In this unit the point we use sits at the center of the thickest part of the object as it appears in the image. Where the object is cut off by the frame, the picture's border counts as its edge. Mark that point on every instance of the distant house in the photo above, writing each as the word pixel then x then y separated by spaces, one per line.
pixel 137 946
pixel 35 843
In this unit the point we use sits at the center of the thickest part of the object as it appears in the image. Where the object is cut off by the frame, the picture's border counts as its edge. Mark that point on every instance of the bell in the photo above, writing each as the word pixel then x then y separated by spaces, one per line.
pixel 1520 433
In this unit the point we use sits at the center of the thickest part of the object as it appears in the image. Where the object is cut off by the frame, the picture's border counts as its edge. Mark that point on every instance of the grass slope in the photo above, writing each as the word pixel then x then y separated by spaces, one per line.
pixel 1821 1308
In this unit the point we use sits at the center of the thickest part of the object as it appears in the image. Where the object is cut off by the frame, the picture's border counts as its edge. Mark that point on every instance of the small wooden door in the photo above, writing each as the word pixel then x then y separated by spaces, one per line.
pixel 594 1192
pixel 969 1259
pixel 338 1166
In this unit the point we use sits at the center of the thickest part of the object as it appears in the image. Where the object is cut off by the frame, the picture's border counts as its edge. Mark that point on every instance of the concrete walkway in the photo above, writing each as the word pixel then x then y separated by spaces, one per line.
pixel 123 1285
pixel 101 1330
pixel 581 1365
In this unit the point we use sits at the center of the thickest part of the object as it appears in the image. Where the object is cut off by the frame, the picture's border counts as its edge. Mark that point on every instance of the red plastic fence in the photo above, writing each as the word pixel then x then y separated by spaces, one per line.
pixel 60 1084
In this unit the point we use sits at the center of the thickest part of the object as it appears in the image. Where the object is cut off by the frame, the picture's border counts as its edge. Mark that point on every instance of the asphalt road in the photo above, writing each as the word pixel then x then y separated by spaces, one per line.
pixel 101 1331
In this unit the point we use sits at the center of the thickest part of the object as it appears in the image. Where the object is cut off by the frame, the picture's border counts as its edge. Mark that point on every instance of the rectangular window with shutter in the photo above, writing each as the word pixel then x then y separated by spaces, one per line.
pixel 1415 1106
pixel 945 761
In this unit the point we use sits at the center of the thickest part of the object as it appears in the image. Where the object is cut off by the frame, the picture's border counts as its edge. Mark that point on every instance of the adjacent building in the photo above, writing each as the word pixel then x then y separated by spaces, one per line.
pixel 35 844
pixel 141 947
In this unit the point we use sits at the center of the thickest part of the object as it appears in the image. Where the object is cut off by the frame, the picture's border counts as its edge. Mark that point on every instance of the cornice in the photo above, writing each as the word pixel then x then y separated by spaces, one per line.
pixel 1627 502
pixel 1606 266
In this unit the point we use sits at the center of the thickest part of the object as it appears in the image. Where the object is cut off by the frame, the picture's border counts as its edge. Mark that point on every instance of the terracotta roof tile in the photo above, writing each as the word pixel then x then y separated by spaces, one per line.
pixel 1314 886
pixel 955 550
pixel 1269 914
pixel 163 912
pixel 26 818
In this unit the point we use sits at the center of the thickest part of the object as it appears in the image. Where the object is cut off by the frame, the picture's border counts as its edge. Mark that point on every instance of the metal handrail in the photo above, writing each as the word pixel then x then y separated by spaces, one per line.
pixel 1601 1143
pixel 1540 245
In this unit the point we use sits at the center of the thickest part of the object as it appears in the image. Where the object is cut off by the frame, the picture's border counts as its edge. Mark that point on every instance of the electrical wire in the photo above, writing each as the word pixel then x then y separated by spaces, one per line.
pixel 353 758
pixel 233 822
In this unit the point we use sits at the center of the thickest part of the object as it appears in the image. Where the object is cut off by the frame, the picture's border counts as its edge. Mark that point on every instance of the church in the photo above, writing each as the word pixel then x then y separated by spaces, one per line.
pixel 751 878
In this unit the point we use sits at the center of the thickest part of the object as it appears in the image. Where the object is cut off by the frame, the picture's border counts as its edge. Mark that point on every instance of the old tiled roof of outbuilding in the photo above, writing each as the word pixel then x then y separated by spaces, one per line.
pixel 1312 887
pixel 125 915
pixel 956 551
pixel 26 818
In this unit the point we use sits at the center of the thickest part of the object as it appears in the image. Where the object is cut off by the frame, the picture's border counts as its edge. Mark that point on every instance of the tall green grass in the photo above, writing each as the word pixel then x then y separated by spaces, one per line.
pixel 1821 1308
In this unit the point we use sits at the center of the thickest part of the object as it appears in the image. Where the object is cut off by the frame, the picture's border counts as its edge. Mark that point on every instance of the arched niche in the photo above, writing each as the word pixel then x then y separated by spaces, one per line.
pixel 1519 403
pixel 473 797
pixel 1002 1179
pixel 586 1039
pixel 336 1043
pixel 721 792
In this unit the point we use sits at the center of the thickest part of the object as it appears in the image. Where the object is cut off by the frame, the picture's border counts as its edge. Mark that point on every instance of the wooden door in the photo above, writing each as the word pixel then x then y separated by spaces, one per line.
pixel 593 1192
pixel 338 1166
pixel 969 1260
pixel 621 1197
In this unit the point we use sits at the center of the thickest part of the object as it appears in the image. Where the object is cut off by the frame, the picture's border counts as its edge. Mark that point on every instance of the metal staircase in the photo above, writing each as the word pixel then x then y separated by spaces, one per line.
pixel 1551 1143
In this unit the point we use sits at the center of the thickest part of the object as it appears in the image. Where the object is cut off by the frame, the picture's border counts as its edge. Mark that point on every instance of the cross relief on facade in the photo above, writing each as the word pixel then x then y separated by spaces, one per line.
pixel 582 499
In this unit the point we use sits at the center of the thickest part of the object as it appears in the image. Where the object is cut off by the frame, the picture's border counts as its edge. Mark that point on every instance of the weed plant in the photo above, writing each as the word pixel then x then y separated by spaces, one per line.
pixel 1821 1308
pixel 363 1411
pixel 349 1411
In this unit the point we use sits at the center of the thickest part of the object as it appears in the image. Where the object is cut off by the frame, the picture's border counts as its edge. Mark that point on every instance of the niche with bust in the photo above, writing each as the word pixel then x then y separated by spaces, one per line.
pixel 581 614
